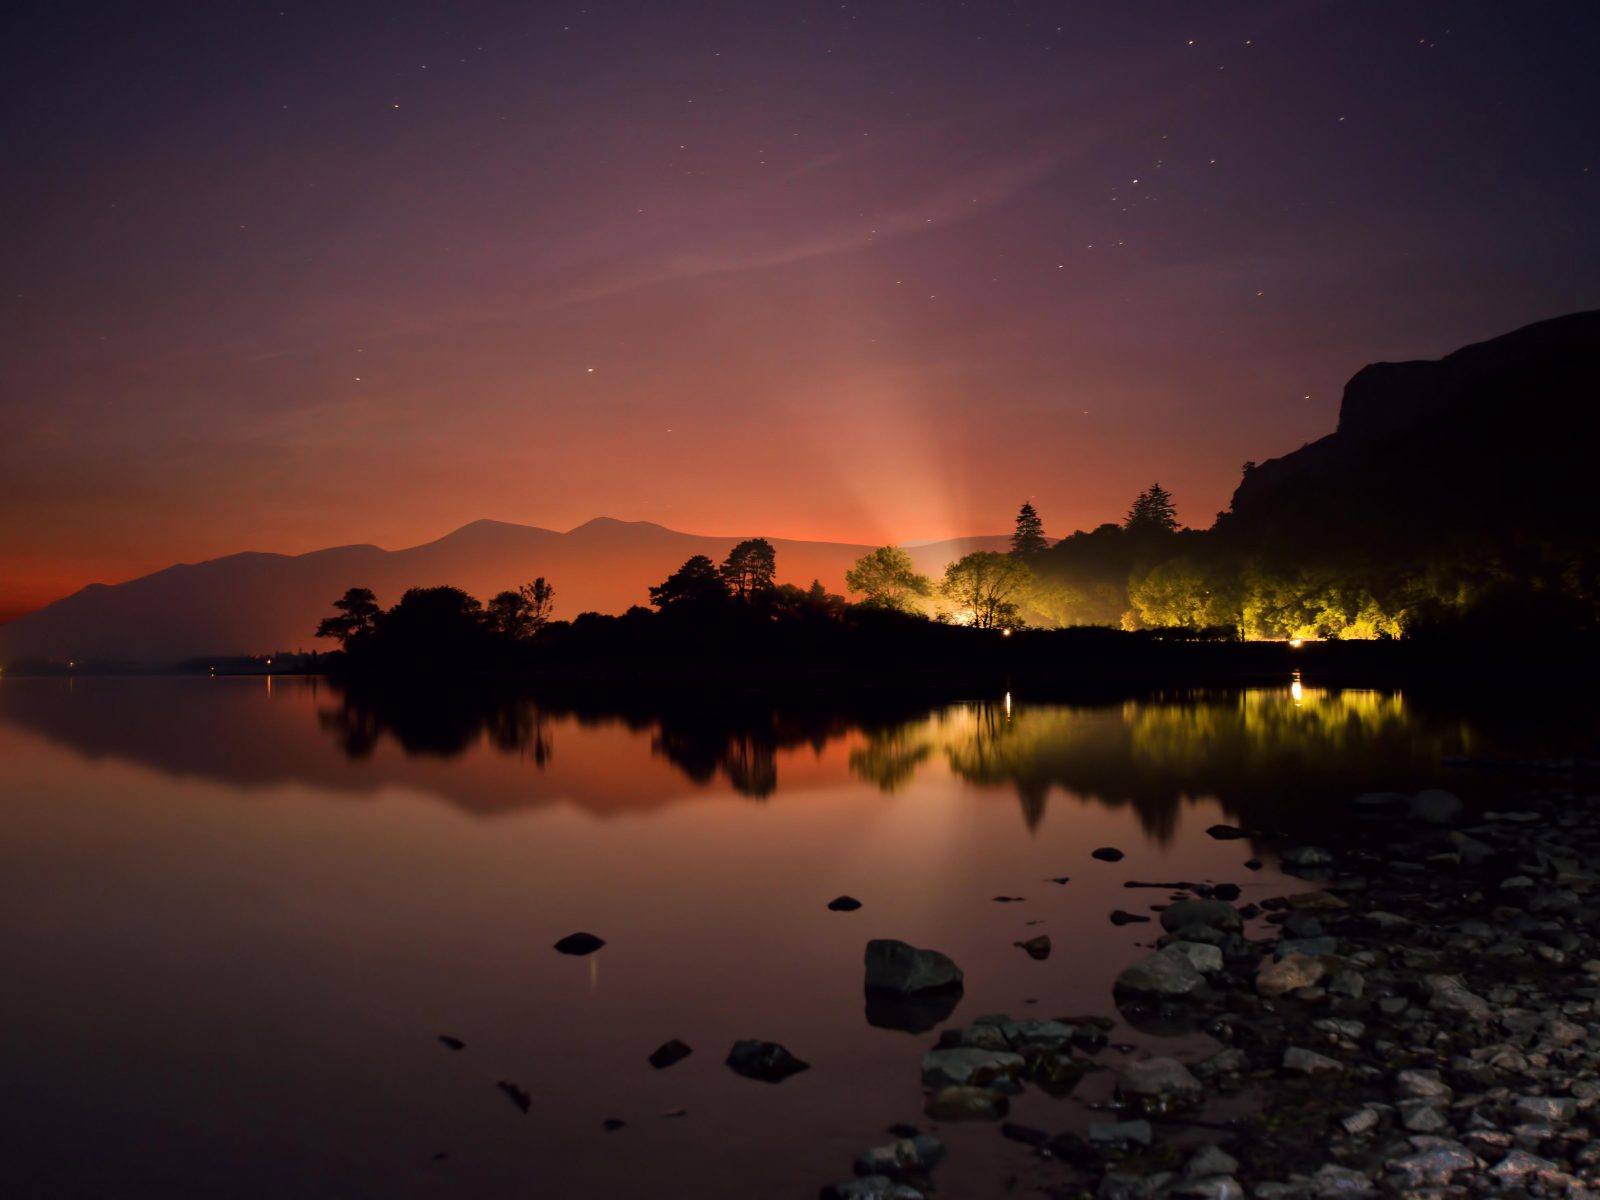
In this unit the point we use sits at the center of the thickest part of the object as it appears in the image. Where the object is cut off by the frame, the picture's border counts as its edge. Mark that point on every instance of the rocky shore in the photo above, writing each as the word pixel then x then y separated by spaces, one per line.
pixel 1424 1021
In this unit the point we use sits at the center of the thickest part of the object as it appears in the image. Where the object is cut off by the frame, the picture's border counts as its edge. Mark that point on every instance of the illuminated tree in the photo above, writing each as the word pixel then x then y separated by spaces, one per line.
pixel 1029 539
pixel 888 579
pixel 986 588
pixel 1152 512
pixel 358 617
pixel 695 584
pixel 749 568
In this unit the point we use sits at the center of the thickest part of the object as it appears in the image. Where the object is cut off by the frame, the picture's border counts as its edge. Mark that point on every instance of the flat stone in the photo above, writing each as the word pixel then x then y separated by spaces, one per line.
pixel 894 966
pixel 1158 1085
pixel 1167 972
pixel 1120 1133
pixel 1308 1062
pixel 914 1155
pixel 966 1065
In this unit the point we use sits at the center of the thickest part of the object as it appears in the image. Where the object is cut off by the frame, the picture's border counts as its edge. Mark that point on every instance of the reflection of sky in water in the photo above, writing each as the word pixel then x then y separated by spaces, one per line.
pixel 237 914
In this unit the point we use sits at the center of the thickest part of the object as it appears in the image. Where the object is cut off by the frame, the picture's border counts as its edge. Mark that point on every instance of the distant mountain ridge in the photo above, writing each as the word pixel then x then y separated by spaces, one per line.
pixel 257 603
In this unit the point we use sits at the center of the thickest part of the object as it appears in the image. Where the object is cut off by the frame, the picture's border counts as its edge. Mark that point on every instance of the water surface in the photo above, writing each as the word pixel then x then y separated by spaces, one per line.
pixel 237 912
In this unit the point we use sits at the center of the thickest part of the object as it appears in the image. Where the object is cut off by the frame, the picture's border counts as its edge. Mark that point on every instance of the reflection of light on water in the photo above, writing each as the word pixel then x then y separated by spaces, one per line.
pixel 1295 690
pixel 594 974
pixel 1008 706
pixel 269 683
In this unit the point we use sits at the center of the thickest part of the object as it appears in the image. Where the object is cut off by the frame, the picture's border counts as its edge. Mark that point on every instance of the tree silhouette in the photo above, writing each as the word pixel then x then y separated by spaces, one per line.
pixel 510 616
pixel 358 617
pixel 749 568
pixel 1029 539
pixel 888 579
pixel 695 584
pixel 1152 512
pixel 541 598
pixel 986 588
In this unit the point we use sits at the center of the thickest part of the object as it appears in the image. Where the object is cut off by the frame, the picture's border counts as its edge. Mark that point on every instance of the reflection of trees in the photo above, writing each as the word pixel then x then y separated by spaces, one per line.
pixel 1262 753
pixel 434 721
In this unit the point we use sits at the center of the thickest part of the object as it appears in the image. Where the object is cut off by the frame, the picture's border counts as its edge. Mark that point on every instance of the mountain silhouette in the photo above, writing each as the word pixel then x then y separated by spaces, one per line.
pixel 1487 447
pixel 255 603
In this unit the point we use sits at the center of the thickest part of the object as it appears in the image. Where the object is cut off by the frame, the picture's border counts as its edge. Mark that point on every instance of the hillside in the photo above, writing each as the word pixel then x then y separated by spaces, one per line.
pixel 1489 446
pixel 256 603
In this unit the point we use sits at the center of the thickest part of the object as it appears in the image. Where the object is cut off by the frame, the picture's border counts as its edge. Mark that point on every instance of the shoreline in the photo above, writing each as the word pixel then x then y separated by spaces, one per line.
pixel 1425 1021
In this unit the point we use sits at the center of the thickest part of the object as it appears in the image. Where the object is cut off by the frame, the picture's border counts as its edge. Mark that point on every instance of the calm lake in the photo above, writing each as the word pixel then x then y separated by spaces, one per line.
pixel 238 913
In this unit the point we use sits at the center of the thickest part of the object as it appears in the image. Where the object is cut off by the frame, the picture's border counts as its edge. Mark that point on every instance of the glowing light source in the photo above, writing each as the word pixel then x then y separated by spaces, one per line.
pixel 1297 642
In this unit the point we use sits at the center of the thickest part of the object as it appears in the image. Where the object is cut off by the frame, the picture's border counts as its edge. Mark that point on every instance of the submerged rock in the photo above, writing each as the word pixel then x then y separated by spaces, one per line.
pixel 894 966
pixel 579 943
pixel 1037 947
pixel 1158 1085
pixel 517 1095
pixel 1288 974
pixel 1119 917
pixel 454 1043
pixel 1210 914
pixel 969 1065
pixel 766 1061
pixel 966 1103
pixel 908 1156
pixel 664 1055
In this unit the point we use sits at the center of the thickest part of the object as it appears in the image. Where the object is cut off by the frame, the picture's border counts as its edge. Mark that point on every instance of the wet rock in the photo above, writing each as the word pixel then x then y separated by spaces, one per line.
pixel 766 1061
pixel 664 1055
pixel 916 1013
pixel 894 966
pixel 1363 1120
pixel 1210 1187
pixel 969 1065
pixel 1037 947
pixel 1285 975
pixel 1315 902
pixel 1009 899
pixel 965 1103
pixel 1300 1061
pixel 1060 879
pixel 1558 1109
pixel 1434 1163
pixel 1158 1085
pixel 612 1124
pixel 515 1094
pixel 1433 807
pixel 843 904
pixel 454 1043
pixel 1210 914
pixel 1226 891
pixel 1422 1116
pixel 1305 947
pixel 909 1156
pixel 1210 1160
pixel 1167 972
pixel 1520 1167
pixel 579 943
pixel 1335 1181
pixel 1447 993
pixel 1422 1085
pixel 1107 854
pixel 1206 958
pixel 1120 1133
pixel 1119 917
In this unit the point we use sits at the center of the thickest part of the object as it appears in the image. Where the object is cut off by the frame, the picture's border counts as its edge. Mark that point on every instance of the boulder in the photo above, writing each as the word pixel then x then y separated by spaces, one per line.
pixel 969 1066
pixel 668 1053
pixel 1167 972
pixel 1280 977
pixel 1158 1085
pixel 766 1061
pixel 907 1156
pixel 904 970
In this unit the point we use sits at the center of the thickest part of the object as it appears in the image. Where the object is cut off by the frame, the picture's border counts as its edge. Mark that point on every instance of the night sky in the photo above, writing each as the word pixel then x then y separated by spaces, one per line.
pixel 284 276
